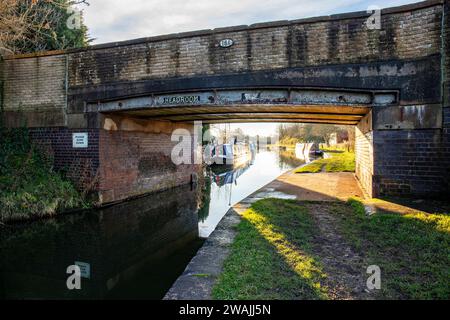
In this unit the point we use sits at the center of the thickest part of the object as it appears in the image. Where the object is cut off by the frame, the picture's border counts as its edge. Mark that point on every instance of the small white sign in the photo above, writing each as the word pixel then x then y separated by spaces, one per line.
pixel 225 43
pixel 85 269
pixel 80 140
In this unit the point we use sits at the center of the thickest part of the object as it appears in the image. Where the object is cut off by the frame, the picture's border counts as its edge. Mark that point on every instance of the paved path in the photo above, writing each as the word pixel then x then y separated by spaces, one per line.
pixel 321 186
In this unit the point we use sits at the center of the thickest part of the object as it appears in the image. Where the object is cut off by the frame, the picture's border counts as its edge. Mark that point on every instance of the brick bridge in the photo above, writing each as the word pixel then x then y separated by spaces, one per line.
pixel 391 83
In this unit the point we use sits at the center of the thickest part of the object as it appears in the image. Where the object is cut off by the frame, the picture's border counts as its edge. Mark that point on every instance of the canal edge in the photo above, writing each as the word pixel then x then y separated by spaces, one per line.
pixel 202 272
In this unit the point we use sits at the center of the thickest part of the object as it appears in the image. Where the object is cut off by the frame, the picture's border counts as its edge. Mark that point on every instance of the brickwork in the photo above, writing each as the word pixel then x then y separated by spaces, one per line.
pixel 446 118
pixel 409 162
pixel 445 156
pixel 43 85
pixel 138 162
pixel 80 164
pixel 364 154
pixel 405 35
pixel 446 49
pixel 38 84
pixel 35 87
pixel 119 164
pixel 446 102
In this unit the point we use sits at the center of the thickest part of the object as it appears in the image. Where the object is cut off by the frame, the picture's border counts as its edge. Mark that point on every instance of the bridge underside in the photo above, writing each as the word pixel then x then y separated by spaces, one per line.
pixel 343 115
pixel 317 105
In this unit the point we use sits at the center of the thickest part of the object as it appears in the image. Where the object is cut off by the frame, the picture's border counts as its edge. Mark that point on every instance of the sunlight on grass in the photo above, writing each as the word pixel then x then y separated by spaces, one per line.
pixel 339 161
pixel 440 222
pixel 269 258
pixel 313 167
pixel 412 249
pixel 304 265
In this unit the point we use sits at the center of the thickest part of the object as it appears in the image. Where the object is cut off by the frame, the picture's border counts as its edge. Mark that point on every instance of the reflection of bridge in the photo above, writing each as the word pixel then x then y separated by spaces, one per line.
pixel 129 96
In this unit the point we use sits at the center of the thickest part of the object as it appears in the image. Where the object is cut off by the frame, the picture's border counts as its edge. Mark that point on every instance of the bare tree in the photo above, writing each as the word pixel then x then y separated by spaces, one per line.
pixel 11 26
pixel 37 25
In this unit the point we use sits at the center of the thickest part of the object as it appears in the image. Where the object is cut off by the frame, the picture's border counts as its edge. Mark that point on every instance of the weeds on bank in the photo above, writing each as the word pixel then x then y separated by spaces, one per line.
pixel 29 186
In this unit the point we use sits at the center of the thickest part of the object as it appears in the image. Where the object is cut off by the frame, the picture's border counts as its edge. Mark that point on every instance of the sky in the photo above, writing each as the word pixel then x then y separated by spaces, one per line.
pixel 116 20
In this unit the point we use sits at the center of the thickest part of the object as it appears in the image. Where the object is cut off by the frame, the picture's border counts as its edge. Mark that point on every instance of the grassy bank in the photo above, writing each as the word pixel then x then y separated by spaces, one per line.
pixel 412 250
pixel 338 161
pixel 288 142
pixel 278 254
pixel 29 187
pixel 269 258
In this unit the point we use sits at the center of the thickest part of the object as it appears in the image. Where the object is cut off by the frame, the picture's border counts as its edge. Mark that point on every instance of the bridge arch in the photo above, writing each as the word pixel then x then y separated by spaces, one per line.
pixel 278 104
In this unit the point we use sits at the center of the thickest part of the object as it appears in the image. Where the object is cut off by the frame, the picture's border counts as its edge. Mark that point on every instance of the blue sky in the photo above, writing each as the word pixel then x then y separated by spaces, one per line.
pixel 115 20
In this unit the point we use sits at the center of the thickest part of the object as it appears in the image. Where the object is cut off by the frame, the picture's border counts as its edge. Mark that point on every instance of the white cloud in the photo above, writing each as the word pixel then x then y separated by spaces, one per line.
pixel 115 20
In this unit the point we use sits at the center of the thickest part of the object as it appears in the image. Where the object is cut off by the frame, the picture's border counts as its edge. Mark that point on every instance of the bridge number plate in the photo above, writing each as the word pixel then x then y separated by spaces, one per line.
pixel 80 140
pixel 225 43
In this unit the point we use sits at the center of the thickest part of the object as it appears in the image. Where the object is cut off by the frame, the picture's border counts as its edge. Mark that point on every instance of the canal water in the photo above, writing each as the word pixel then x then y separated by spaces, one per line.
pixel 132 250
pixel 231 187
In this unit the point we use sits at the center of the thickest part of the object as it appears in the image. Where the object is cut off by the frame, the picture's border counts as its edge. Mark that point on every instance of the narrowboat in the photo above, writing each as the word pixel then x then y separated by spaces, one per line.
pixel 229 154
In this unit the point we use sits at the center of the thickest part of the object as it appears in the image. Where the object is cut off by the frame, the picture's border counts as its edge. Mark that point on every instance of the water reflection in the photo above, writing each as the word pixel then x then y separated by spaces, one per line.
pixel 230 187
pixel 135 249
pixel 290 159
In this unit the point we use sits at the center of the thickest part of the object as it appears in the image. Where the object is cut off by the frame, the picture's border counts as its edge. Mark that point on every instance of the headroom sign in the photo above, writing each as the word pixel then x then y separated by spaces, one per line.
pixel 171 100
pixel 225 43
